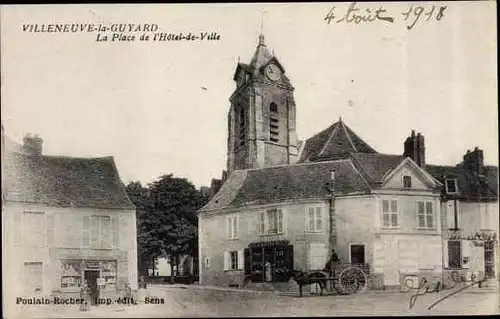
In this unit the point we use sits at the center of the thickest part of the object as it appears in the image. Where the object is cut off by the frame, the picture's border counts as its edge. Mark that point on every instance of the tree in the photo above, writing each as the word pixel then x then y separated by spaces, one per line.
pixel 147 247
pixel 166 219
pixel 175 202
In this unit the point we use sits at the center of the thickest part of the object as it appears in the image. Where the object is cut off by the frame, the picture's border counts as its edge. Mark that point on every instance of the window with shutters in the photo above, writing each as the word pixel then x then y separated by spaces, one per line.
pixel 271 222
pixel 33 229
pixel 390 213
pixel 97 232
pixel 232 227
pixel 233 260
pixel 425 214
pixel 315 219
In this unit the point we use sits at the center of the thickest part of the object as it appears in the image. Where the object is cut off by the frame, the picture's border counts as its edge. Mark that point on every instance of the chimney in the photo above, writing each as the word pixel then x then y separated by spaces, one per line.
pixel 32 145
pixel 414 148
pixel 474 160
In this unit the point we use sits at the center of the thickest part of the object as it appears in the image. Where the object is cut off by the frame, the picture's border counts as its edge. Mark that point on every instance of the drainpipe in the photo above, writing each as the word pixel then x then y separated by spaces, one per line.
pixel 333 224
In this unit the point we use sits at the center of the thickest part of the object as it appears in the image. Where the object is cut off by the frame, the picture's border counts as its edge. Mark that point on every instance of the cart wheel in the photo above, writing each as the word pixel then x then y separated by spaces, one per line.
pixel 352 280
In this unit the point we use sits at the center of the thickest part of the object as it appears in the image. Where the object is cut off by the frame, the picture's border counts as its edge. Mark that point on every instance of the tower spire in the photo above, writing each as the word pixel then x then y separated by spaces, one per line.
pixel 261 34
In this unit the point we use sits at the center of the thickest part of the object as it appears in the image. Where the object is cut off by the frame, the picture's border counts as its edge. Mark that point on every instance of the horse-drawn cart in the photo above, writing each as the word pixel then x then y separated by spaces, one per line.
pixel 345 279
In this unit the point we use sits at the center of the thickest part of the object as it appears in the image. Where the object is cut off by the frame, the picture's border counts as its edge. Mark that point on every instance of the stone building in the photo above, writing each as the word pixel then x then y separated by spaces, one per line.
pixel 470 214
pixel 286 204
pixel 65 220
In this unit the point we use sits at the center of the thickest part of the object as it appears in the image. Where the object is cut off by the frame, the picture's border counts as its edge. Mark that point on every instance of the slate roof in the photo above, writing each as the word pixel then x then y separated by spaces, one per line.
pixel 471 185
pixel 261 55
pixel 288 182
pixel 337 141
pixel 64 181
pixel 376 165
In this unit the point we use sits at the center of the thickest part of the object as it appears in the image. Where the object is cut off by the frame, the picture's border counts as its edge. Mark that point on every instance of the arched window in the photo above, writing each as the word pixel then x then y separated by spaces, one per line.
pixel 273 107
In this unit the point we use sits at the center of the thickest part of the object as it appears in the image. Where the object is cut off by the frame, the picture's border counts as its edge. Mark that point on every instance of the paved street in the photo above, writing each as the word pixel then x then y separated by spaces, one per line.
pixel 196 301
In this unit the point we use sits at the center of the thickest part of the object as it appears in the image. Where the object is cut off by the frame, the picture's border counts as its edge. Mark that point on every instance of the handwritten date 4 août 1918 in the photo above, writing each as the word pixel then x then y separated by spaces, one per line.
pixel 412 15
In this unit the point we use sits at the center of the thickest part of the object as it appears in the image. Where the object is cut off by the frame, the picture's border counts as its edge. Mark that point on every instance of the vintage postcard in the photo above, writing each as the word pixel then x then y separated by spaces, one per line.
pixel 240 160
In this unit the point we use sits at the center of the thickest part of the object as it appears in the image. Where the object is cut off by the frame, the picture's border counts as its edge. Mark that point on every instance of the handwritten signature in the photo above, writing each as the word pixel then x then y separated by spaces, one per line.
pixel 425 287
pixel 357 16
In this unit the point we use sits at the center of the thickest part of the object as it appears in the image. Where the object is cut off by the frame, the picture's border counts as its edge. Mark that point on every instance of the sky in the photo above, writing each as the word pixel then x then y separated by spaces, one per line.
pixel 161 107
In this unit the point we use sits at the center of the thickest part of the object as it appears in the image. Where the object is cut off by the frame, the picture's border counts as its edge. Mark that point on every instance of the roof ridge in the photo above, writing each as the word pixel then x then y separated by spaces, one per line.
pixel 67 157
pixel 348 135
pixel 332 135
pixel 294 165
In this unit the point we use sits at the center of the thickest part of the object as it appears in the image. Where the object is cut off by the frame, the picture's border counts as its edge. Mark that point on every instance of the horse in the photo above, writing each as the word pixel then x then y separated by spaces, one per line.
pixel 315 277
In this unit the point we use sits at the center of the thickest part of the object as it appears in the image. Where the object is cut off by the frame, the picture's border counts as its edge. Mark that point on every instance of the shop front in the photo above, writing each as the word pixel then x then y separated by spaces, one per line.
pixel 99 275
pixel 269 261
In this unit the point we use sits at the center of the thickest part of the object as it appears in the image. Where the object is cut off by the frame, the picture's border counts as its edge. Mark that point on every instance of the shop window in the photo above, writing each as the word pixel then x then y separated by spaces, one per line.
pixel 71 274
pixel 108 272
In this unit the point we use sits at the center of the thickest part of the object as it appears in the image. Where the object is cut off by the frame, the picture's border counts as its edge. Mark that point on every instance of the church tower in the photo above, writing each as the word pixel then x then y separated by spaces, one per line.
pixel 261 119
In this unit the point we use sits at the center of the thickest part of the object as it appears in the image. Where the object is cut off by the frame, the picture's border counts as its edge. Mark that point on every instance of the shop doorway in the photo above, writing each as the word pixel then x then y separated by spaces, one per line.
pixel 91 279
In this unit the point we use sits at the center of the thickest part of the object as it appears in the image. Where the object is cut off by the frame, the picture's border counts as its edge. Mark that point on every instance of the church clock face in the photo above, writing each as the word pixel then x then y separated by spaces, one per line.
pixel 272 72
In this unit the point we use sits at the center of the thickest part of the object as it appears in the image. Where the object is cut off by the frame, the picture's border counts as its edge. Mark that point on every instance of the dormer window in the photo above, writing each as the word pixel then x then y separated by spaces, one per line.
pixel 407 181
pixel 451 186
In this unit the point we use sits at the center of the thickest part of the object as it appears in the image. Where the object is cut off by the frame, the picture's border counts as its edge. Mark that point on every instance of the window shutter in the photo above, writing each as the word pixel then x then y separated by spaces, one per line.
pixel 235 226
pixel 310 219
pixel 241 259
pixel 430 214
pixel 226 260
pixel 247 262
pixel 319 218
pixel 280 221
pixel 94 232
pixel 86 231
pixel 421 214
pixel 228 227
pixel 115 231
pixel 50 229
pixel 262 223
